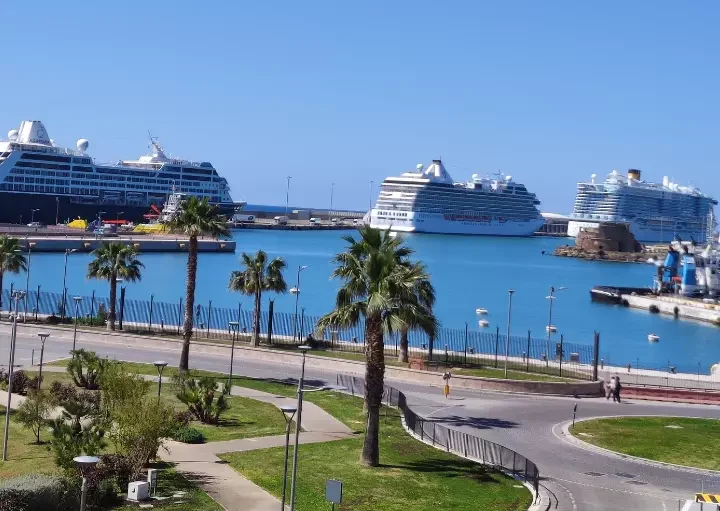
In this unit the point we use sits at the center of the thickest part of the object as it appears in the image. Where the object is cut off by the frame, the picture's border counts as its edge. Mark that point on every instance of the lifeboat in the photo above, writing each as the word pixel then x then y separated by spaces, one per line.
pixel 481 311
pixel 484 323
pixel 551 328
pixel 653 338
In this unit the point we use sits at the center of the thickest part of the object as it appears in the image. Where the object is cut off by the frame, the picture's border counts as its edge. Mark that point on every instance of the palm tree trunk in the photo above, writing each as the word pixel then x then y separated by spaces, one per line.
pixel 404 346
pixel 189 303
pixel 374 381
pixel 113 299
pixel 2 274
pixel 256 320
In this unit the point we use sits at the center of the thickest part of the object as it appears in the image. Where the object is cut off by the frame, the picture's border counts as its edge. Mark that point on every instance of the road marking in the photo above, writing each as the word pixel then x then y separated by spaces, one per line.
pixel 572 498
pixel 641 494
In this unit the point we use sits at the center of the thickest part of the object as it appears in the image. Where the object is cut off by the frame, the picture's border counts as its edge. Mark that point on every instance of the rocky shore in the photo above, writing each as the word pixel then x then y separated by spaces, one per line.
pixel 602 255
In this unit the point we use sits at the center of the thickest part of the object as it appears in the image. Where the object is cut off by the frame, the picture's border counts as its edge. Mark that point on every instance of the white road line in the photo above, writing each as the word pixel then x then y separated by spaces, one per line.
pixel 641 494
pixel 572 498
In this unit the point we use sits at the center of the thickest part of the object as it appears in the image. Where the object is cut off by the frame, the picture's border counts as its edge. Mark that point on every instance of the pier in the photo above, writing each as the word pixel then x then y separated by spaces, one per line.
pixel 144 243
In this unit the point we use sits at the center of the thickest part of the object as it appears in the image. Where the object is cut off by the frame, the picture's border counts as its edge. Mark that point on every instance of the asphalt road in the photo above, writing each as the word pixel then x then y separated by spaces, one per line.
pixel 580 479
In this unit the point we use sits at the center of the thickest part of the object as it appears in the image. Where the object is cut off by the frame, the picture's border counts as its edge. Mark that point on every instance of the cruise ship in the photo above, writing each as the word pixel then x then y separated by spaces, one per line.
pixel 655 212
pixel 50 184
pixel 428 200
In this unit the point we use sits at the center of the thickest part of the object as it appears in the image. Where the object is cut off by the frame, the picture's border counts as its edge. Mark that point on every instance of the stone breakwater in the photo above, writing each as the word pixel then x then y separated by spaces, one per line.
pixel 602 255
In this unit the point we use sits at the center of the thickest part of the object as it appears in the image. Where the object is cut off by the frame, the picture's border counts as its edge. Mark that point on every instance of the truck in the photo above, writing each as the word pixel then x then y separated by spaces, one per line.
pixel 243 219
pixel 281 220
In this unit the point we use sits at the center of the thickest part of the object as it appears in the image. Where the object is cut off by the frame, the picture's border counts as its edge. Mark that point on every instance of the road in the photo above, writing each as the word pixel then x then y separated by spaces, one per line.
pixel 580 479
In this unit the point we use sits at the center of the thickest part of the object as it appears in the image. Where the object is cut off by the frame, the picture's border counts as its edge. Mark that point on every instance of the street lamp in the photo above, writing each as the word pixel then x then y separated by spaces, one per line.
pixel 27 278
pixel 17 295
pixel 550 328
pixel 32 215
pixel 296 291
pixel 57 210
pixel 117 217
pixel 298 422
pixel 371 191
pixel 507 342
pixel 43 338
pixel 332 192
pixel 160 366
pixel 85 464
pixel 288 414
pixel 287 195
pixel 68 251
pixel 77 299
pixel 100 214
pixel 235 326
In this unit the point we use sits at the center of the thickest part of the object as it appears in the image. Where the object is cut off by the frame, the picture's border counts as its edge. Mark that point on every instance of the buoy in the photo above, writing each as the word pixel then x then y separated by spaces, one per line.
pixel 653 338
pixel 484 323
pixel 481 311
pixel 551 328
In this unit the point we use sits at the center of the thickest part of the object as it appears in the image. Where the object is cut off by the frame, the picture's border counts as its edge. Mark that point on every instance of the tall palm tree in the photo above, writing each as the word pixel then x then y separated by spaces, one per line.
pixel 196 217
pixel 379 285
pixel 113 261
pixel 11 259
pixel 417 313
pixel 258 276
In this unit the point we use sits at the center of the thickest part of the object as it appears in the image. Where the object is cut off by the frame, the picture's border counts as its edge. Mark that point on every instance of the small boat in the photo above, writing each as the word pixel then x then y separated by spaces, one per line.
pixel 481 311
pixel 551 328
pixel 653 338
pixel 484 323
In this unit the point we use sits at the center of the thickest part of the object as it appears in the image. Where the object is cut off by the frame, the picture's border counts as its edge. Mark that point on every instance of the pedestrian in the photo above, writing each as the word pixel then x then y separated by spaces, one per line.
pixel 608 390
pixel 617 390
pixel 613 386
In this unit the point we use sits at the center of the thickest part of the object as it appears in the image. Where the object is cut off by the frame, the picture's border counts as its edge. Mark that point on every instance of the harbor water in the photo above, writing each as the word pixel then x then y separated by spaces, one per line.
pixel 468 273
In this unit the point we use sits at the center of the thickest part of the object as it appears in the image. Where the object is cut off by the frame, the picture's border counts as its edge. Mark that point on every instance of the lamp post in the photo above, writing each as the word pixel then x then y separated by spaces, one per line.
pixel 77 299
pixel 287 195
pixel 68 251
pixel 298 422
pixel 100 214
pixel 235 326
pixel 332 192
pixel 32 215
pixel 551 298
pixel 57 210
pixel 507 341
pixel 43 338
pixel 296 291
pixel 160 366
pixel 85 464
pixel 288 414
pixel 27 278
pixel 371 190
pixel 117 217
pixel 17 295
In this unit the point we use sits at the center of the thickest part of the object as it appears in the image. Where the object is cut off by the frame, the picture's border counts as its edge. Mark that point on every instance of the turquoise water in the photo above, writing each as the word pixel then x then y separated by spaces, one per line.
pixel 468 273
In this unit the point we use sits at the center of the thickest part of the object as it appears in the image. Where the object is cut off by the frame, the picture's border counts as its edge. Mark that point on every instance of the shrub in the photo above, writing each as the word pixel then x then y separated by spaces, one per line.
pixel 182 419
pixel 20 382
pixel 119 387
pixel 86 369
pixel 34 492
pixel 61 392
pixel 188 435
pixel 34 412
pixel 199 396
pixel 116 467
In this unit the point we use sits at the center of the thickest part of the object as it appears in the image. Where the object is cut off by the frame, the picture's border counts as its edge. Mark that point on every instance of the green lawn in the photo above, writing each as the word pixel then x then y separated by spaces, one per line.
pixel 412 475
pixel 24 455
pixel 493 372
pixel 690 442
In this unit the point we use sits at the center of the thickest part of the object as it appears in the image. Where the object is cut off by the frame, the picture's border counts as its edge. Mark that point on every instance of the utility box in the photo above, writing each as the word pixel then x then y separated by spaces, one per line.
pixel 137 491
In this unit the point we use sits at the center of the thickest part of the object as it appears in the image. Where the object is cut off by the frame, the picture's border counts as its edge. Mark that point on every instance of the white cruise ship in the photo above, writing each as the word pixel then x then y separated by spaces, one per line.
pixel 655 212
pixel 428 200
pixel 52 184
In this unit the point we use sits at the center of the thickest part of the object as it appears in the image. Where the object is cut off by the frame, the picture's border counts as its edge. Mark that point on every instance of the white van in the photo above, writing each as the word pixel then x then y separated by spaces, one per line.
pixel 314 220
pixel 281 220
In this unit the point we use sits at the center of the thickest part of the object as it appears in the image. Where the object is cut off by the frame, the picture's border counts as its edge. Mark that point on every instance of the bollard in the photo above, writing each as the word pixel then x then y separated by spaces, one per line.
pixel 32 358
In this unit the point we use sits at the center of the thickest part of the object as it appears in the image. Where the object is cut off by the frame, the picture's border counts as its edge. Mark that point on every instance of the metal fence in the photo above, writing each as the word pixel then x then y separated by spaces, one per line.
pixel 464 444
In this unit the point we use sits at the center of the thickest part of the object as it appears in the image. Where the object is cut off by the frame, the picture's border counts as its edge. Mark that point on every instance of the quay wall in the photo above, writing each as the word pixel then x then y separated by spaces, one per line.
pixel 675 306
pixel 146 243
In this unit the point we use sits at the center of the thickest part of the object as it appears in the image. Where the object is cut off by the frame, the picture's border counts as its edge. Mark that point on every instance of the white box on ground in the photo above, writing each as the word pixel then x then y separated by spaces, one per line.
pixel 137 491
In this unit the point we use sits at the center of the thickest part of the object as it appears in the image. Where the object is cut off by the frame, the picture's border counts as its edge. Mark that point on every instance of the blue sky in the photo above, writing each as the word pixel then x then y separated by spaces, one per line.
pixel 348 92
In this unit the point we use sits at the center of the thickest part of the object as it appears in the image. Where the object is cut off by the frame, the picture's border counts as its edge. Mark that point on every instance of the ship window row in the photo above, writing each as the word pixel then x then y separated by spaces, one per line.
pixel 44 157
pixel 84 161
pixel 42 165
pixel 77 168
pixel 191 170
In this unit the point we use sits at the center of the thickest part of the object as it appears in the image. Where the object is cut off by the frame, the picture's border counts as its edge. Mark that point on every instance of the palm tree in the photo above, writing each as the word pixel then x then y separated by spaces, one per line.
pixel 380 285
pixel 113 261
pixel 11 259
pixel 258 276
pixel 196 217
pixel 417 313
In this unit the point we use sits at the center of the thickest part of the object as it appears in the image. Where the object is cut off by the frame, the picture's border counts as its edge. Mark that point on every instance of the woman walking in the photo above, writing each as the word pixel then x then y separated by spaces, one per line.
pixel 617 389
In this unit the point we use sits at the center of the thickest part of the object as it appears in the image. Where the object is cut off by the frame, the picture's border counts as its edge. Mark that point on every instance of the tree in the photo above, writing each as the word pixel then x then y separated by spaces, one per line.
pixel 86 369
pixel 199 396
pixel 417 312
pixel 195 218
pixel 113 261
pixel 258 276
pixel 34 412
pixel 11 258
pixel 379 285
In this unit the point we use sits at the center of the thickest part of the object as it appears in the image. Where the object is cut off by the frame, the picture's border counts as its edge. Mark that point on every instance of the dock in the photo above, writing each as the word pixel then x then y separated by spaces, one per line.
pixel 144 243
pixel 680 307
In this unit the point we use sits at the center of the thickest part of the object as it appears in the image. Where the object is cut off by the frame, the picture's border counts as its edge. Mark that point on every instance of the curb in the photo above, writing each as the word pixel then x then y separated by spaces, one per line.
pixel 573 440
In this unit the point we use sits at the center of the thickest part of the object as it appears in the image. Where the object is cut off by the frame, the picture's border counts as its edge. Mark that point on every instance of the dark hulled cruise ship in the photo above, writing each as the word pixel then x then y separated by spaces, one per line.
pixel 62 184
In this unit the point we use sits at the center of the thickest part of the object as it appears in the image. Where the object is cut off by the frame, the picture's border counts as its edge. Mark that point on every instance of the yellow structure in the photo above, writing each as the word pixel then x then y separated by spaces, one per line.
pixel 78 223
pixel 150 228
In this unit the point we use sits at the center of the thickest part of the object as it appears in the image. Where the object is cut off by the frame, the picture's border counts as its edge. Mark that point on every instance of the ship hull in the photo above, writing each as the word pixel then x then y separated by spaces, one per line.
pixel 645 233
pixel 437 224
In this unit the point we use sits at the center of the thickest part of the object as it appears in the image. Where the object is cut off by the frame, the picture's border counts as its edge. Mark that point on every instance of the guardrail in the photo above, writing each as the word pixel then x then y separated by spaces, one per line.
pixel 461 443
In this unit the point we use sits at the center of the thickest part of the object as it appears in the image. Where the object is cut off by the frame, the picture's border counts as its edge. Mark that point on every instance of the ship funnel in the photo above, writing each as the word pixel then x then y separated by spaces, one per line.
pixel 33 132
pixel 634 174
pixel 438 172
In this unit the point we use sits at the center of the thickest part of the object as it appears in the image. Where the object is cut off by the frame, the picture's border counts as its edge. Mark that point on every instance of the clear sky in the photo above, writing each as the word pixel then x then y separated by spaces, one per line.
pixel 348 92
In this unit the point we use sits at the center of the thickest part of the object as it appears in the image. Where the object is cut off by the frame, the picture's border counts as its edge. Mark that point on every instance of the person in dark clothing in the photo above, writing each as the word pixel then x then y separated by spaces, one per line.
pixel 616 396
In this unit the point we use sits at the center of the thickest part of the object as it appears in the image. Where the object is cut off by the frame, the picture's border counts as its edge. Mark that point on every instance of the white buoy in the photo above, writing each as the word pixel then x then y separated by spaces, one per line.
pixel 551 328
pixel 653 338
pixel 484 323
pixel 481 311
